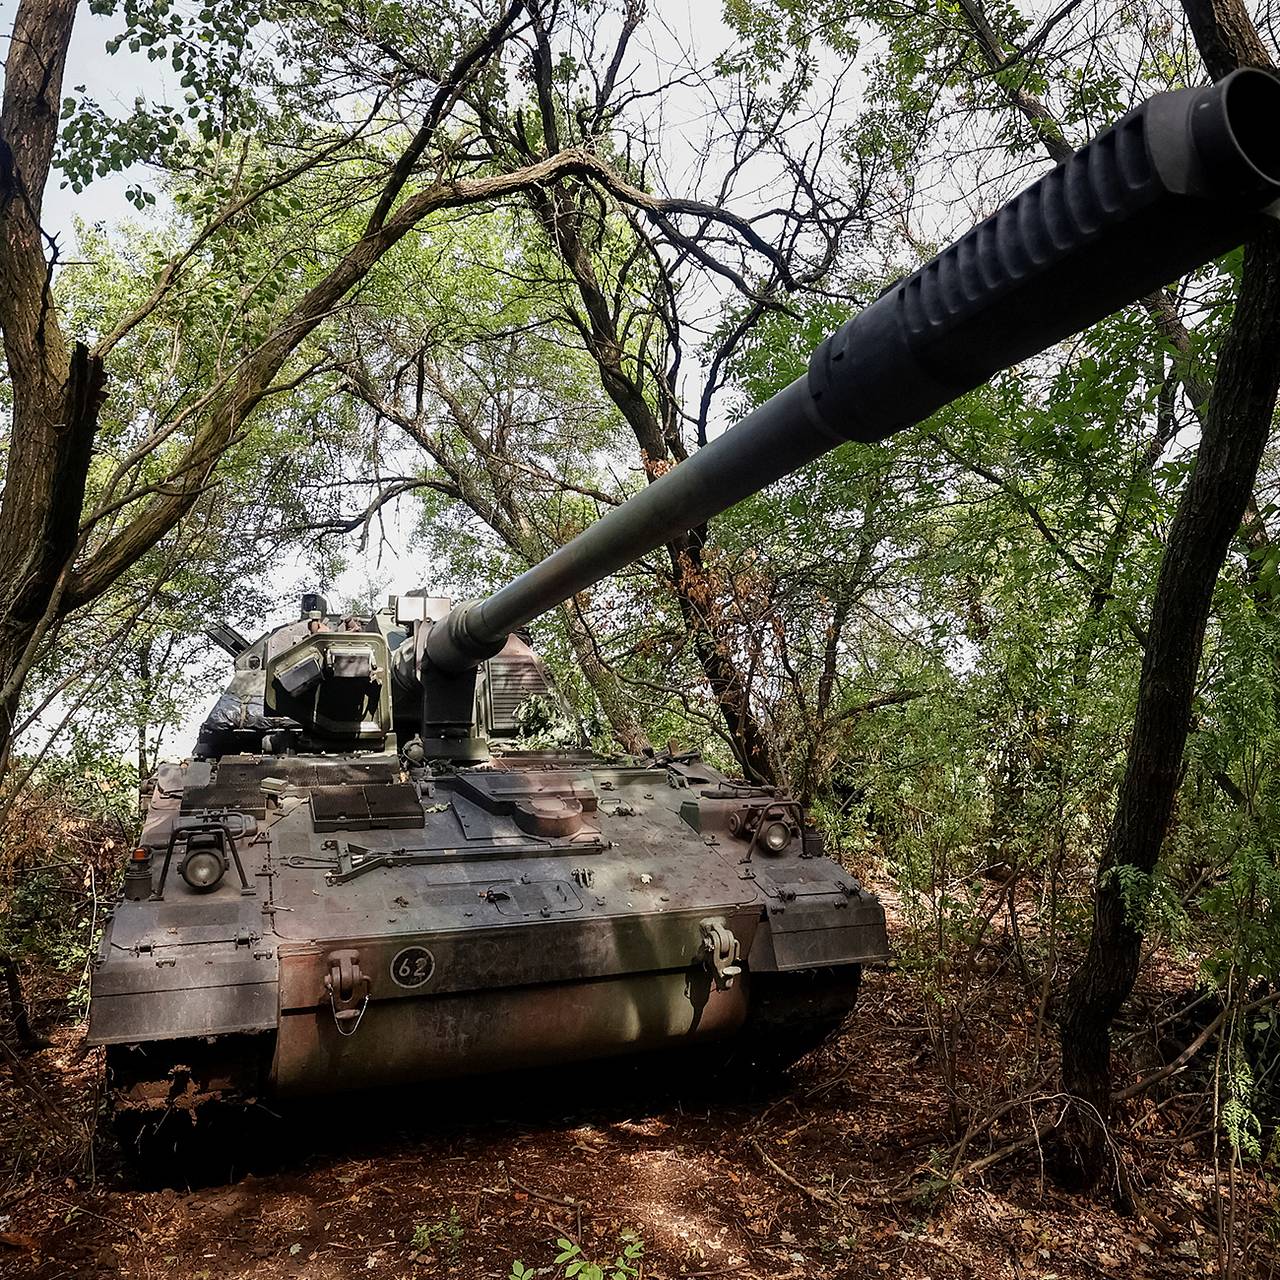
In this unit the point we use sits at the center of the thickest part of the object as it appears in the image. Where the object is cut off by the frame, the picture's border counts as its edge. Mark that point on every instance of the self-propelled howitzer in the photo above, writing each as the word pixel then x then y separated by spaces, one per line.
pixel 363 877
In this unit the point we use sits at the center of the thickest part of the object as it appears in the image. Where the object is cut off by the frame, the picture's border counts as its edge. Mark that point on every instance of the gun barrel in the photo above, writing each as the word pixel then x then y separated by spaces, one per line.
pixel 1173 184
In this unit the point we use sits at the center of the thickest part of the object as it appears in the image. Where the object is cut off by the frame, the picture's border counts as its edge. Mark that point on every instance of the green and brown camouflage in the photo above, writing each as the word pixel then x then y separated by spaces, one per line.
pixel 363 877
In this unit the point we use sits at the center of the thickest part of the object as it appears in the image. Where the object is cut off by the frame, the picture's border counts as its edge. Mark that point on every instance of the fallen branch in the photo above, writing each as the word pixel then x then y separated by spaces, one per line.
pixel 977 1127
pixel 26 1080
pixel 815 1194
pixel 539 1195
pixel 1003 1153
pixel 1140 1086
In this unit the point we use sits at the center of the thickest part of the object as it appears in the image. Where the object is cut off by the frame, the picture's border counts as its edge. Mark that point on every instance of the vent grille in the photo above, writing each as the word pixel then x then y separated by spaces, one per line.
pixel 511 681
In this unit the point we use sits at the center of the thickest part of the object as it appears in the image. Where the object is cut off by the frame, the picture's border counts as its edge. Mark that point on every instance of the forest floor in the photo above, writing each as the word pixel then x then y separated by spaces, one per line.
pixel 831 1172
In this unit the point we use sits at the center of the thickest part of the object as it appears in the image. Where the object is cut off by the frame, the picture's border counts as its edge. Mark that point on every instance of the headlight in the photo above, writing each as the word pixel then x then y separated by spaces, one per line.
pixel 202 869
pixel 776 836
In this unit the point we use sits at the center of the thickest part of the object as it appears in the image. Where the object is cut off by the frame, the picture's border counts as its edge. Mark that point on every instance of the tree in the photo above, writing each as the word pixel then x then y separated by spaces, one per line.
pixel 1022 87
pixel 262 152
pixel 1237 423
pixel 51 563
pixel 623 284
pixel 471 368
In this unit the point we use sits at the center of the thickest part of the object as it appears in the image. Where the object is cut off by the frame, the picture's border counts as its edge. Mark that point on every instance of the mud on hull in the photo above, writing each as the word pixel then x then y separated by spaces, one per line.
pixel 766 1021
pixel 380 932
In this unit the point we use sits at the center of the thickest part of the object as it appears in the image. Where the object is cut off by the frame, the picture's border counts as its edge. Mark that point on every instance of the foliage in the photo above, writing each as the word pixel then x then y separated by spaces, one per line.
pixel 547 725
pixel 941 636
pixel 571 1262
pixel 64 841
pixel 209 48
pixel 447 1234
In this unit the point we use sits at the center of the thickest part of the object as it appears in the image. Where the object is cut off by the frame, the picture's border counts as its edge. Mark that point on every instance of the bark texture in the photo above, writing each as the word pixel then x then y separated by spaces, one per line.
pixel 48 565
pixel 56 393
pixel 1237 422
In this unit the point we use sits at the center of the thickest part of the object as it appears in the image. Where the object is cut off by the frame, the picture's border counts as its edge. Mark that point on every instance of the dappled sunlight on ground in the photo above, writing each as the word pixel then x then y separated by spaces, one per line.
pixel 823 1175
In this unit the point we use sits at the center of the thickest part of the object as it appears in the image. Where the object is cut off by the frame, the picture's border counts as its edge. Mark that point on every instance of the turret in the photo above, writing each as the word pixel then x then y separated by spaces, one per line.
pixel 1176 182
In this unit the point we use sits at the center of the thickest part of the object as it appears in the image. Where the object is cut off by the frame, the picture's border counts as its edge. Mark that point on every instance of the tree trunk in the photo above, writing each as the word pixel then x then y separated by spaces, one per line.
pixel 747 738
pixel 612 697
pixel 658 438
pixel 55 395
pixel 40 533
pixel 28 1040
pixel 1236 428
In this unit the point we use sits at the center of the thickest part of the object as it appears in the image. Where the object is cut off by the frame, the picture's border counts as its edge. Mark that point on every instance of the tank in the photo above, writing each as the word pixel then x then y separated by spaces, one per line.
pixel 363 876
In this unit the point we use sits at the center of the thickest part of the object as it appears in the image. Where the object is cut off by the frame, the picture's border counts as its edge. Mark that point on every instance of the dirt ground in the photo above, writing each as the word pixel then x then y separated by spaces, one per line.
pixel 826 1173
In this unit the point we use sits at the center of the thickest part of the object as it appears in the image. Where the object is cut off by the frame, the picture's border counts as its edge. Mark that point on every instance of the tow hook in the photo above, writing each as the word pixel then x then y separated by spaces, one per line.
pixel 348 990
pixel 722 953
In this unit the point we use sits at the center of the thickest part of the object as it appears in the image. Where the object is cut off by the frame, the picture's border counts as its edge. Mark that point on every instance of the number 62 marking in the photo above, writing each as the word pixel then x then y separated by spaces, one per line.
pixel 412 967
